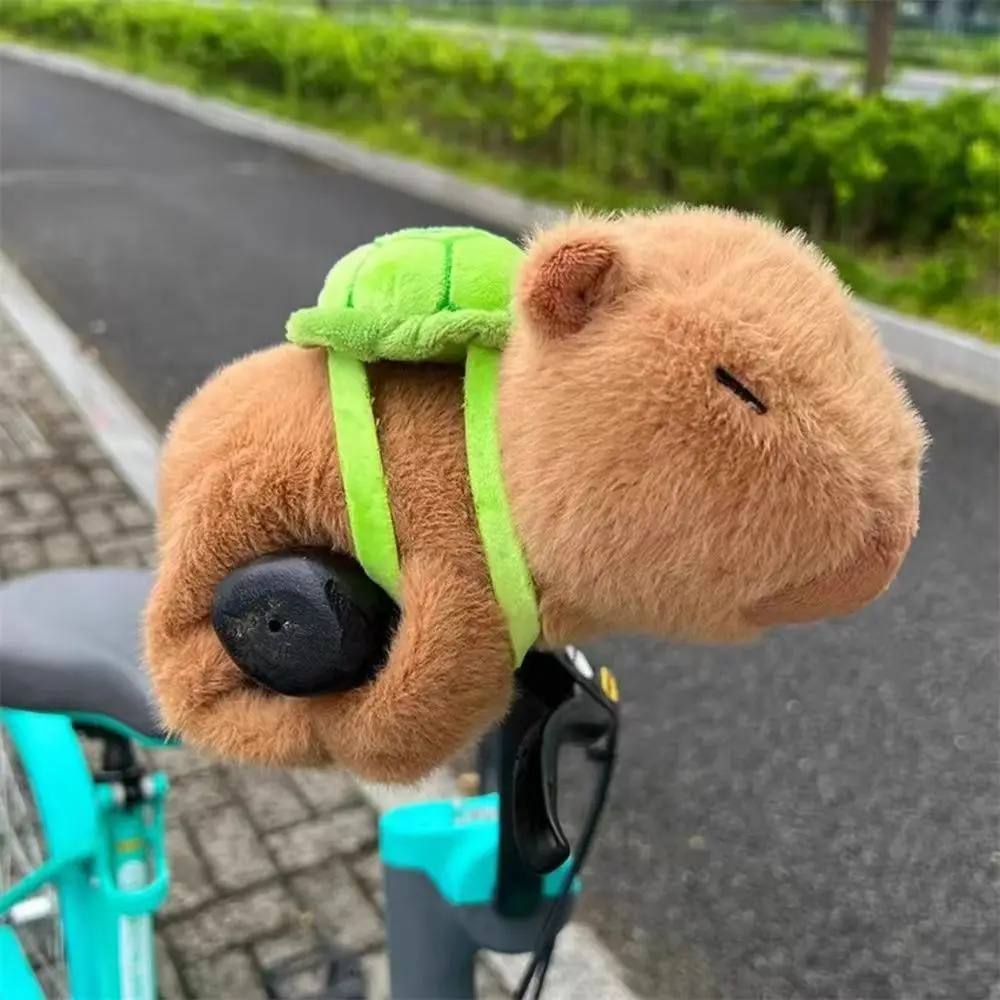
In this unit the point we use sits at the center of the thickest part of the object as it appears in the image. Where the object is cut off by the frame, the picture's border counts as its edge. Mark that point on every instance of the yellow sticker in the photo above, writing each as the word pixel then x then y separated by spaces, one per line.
pixel 125 846
pixel 609 685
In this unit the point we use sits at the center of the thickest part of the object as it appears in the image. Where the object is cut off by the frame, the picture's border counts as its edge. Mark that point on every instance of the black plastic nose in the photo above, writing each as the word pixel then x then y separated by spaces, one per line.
pixel 304 622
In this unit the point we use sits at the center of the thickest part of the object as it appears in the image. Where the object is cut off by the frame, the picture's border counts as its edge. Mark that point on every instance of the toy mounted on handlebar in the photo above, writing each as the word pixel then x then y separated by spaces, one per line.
pixel 675 423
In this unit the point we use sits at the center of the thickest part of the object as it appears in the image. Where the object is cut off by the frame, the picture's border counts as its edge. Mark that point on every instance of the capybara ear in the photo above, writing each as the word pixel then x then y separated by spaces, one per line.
pixel 571 272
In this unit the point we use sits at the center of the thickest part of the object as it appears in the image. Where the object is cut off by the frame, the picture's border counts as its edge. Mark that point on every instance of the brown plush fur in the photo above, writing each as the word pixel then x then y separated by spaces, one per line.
pixel 648 496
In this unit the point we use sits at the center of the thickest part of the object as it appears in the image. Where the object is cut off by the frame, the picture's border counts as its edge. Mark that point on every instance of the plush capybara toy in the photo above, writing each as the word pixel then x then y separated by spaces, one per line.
pixel 673 423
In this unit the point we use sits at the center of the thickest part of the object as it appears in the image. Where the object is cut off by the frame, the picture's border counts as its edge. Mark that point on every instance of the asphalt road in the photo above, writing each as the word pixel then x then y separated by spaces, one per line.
pixel 811 817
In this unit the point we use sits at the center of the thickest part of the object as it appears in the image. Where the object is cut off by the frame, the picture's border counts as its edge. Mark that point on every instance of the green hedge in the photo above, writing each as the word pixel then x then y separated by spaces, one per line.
pixel 904 179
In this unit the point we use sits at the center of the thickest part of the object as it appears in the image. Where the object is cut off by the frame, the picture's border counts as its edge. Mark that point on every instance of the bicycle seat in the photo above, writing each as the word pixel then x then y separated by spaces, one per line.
pixel 70 644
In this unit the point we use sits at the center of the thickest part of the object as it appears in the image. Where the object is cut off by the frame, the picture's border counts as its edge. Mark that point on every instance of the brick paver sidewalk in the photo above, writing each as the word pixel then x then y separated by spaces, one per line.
pixel 263 861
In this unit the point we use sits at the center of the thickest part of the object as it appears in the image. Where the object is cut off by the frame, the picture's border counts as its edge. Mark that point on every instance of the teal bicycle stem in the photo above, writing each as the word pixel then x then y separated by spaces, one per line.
pixel 493 871
pixel 440 863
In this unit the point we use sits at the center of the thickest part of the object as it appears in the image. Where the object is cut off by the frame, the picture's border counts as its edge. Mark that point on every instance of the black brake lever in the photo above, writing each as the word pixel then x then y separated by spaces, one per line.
pixel 582 713
pixel 538 834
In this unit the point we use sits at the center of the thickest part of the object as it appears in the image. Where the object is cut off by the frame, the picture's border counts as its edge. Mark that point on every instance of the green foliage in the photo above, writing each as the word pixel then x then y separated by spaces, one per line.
pixel 899 181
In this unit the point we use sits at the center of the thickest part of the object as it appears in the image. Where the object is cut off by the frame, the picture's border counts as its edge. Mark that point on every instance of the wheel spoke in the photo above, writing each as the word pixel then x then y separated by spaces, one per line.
pixel 22 850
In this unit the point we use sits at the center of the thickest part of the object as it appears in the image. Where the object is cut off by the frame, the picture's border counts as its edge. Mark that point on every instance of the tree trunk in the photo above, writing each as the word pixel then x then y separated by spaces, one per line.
pixel 881 15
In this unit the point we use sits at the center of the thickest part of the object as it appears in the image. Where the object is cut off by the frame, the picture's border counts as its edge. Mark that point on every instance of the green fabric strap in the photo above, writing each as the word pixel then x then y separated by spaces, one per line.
pixel 367 499
pixel 361 471
pixel 508 569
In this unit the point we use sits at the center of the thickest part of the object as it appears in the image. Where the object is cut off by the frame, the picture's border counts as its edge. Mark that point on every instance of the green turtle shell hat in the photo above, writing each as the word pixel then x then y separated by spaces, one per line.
pixel 415 295
pixel 423 295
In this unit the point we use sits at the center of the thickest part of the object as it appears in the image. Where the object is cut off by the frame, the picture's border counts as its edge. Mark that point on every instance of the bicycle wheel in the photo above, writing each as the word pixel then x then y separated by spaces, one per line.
pixel 36 920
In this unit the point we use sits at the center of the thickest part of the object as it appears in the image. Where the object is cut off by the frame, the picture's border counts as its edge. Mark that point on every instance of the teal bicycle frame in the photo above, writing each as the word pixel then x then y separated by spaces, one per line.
pixel 455 881
pixel 105 856
pixel 107 860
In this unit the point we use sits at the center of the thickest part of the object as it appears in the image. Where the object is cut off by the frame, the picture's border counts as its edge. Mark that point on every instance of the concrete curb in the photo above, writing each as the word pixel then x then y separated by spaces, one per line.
pixel 582 966
pixel 949 358
pixel 946 357
pixel 129 440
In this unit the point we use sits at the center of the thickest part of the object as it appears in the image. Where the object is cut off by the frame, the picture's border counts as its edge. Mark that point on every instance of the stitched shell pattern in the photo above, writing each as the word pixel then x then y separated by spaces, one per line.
pixel 415 295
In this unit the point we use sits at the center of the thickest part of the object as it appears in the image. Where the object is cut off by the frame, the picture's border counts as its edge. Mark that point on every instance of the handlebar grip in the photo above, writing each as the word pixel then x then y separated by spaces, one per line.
pixel 304 622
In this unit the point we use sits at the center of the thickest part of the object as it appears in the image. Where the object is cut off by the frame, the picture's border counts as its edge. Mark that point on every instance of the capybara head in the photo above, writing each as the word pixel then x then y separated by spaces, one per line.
pixel 701 438
pixel 703 435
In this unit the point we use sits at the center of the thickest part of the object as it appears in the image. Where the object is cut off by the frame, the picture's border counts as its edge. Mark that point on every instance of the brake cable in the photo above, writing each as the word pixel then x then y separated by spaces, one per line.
pixel 572 706
pixel 538 967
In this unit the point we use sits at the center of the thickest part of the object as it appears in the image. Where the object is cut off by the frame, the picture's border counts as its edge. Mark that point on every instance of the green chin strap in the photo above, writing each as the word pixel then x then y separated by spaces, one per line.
pixel 368 510
pixel 365 492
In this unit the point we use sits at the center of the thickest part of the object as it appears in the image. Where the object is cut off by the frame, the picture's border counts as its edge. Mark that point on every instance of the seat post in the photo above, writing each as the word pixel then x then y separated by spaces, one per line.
pixel 120 766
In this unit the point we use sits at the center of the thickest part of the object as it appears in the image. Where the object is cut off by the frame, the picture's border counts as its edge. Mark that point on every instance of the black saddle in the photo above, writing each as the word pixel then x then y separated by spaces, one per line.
pixel 70 643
